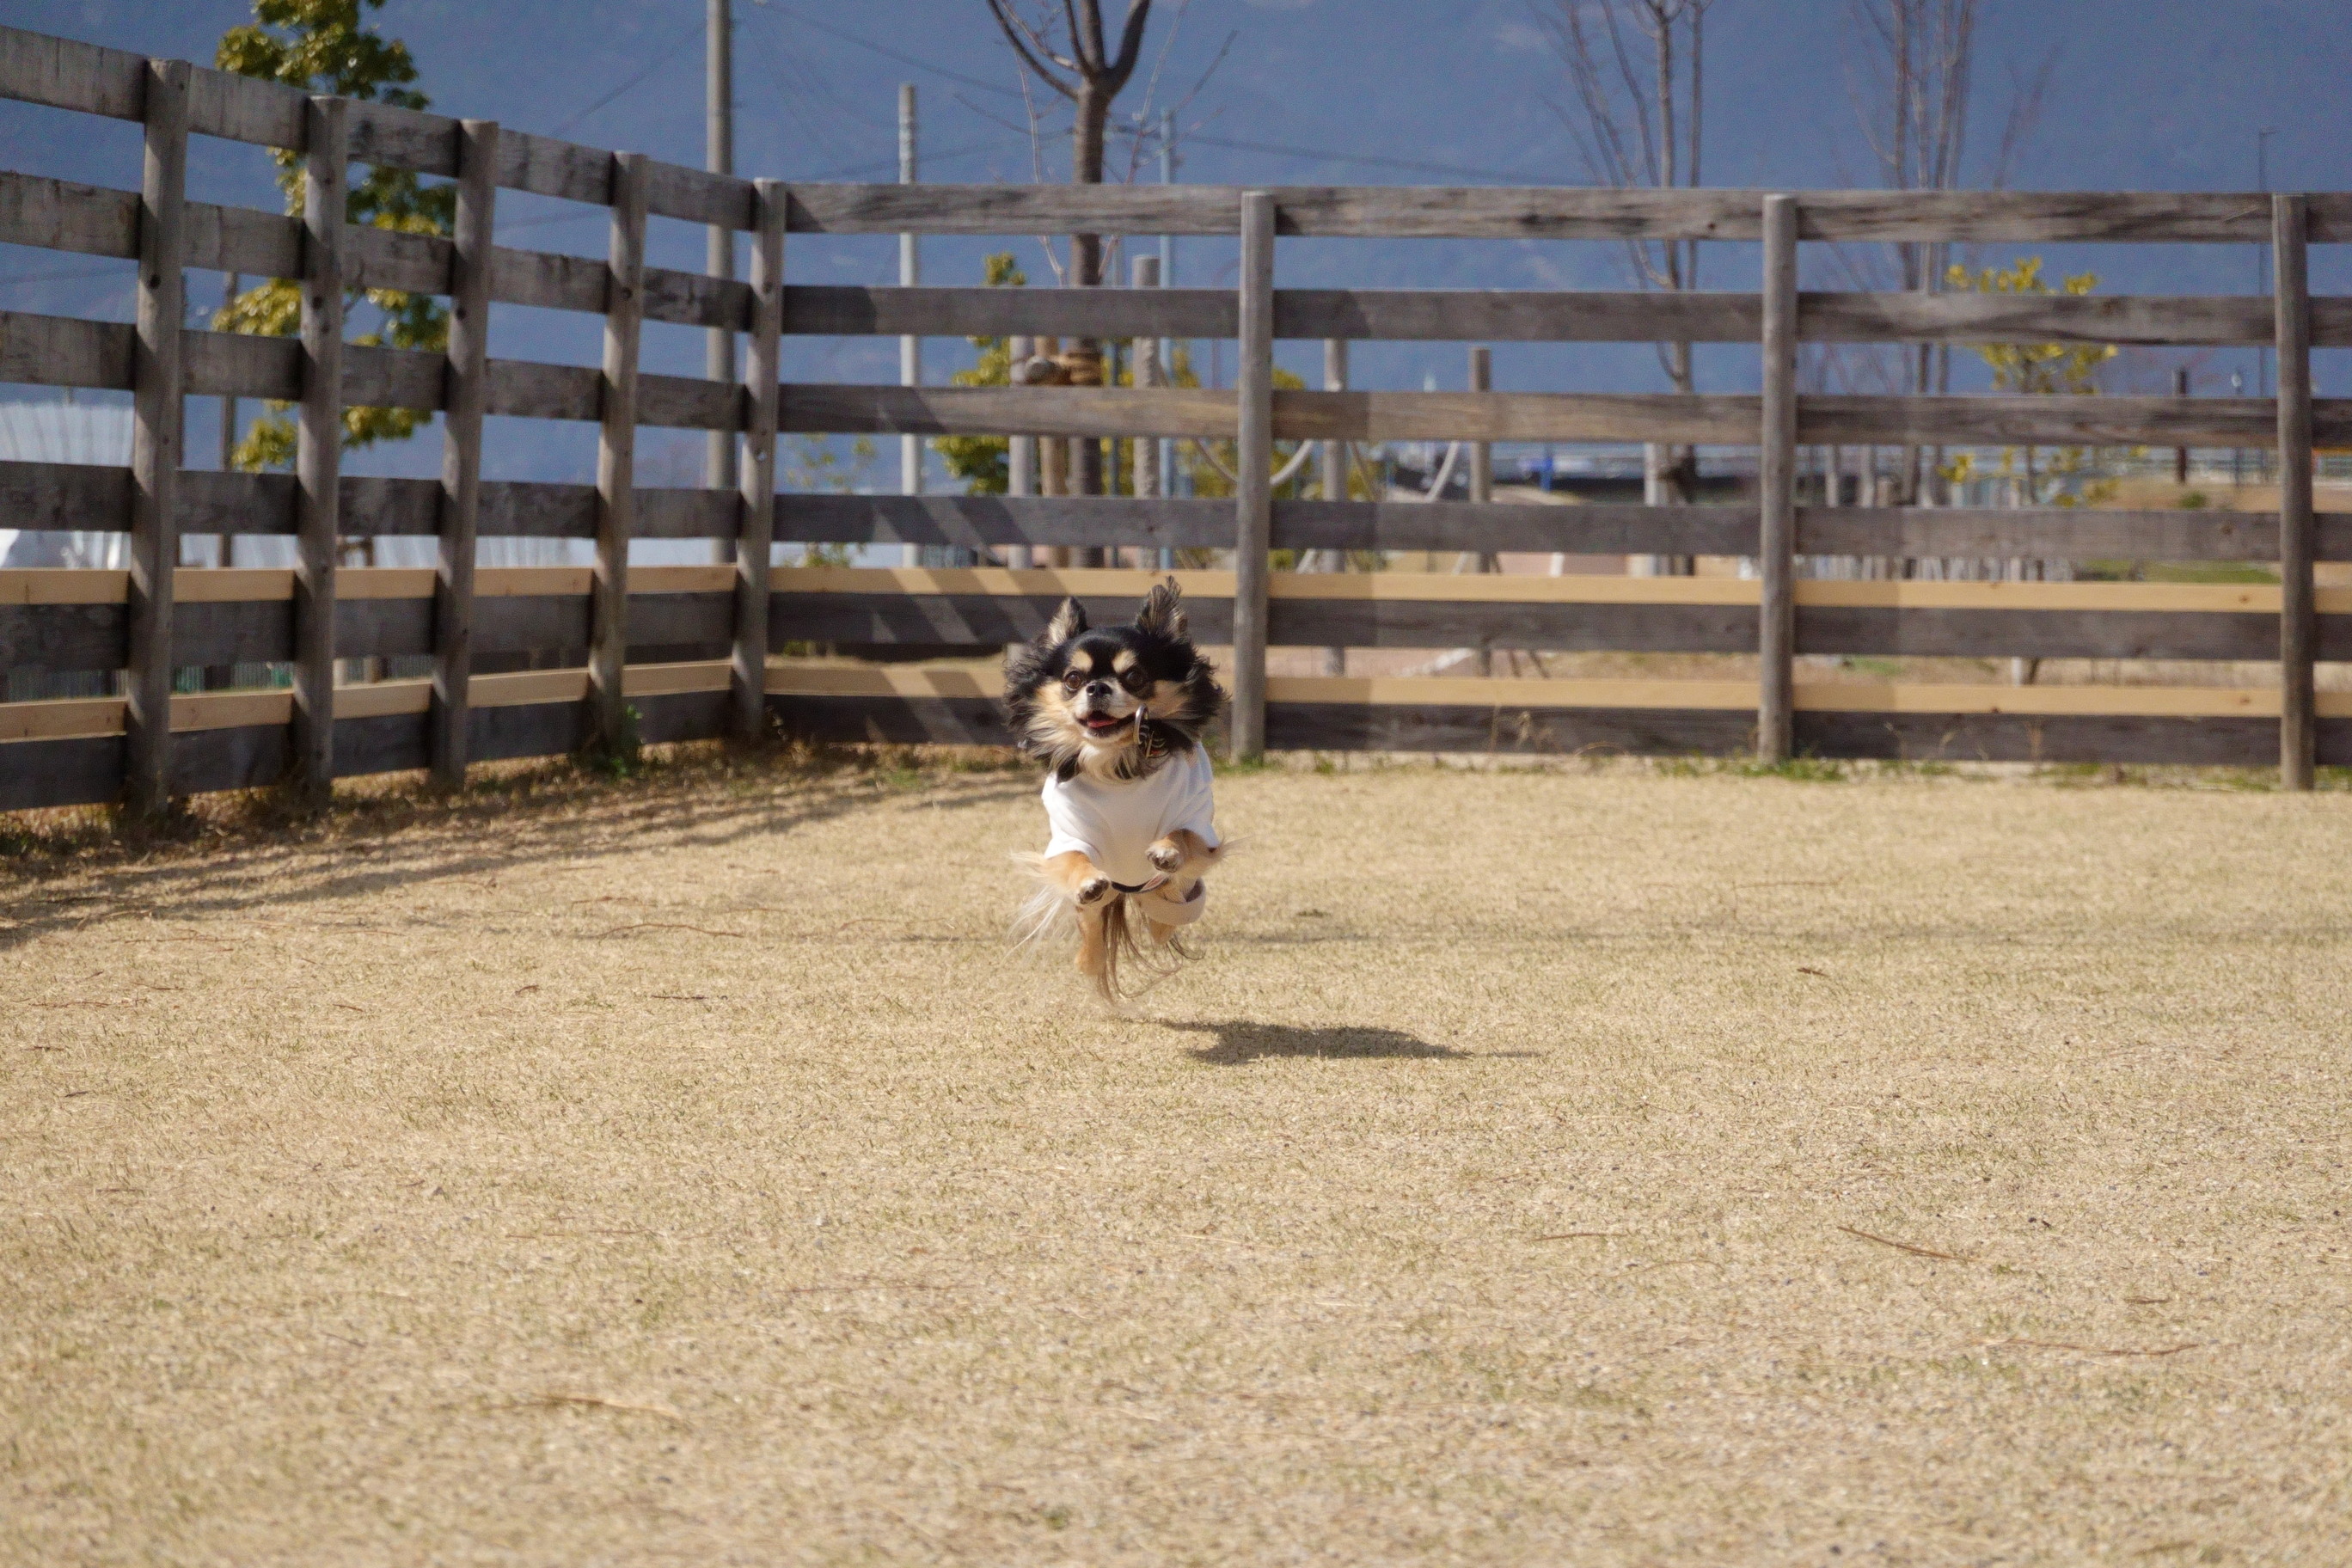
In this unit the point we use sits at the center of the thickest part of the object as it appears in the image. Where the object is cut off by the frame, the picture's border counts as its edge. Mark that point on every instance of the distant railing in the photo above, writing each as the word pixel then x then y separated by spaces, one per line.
pixel 670 653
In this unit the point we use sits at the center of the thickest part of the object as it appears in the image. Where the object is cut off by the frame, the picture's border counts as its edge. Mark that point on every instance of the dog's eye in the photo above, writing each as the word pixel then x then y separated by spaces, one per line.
pixel 1073 679
pixel 1136 678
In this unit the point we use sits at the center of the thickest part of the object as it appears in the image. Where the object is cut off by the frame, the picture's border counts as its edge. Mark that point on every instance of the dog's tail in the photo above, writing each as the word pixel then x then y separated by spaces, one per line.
pixel 1049 910
pixel 1046 910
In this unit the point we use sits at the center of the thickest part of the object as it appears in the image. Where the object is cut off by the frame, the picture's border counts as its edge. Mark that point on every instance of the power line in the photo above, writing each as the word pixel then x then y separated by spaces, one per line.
pixel 675 50
pixel 971 150
pixel 77 273
pixel 886 52
pixel 1415 165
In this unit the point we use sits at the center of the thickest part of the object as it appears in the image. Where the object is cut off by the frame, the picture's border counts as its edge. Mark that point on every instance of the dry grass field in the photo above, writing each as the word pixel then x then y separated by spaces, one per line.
pixel 1538 1167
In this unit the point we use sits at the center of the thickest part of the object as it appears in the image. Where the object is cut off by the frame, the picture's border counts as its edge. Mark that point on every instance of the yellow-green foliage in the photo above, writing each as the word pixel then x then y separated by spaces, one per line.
pixel 321 45
pixel 2069 370
pixel 984 463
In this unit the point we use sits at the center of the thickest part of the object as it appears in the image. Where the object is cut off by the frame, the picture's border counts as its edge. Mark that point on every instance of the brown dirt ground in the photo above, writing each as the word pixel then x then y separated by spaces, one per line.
pixel 1600 1167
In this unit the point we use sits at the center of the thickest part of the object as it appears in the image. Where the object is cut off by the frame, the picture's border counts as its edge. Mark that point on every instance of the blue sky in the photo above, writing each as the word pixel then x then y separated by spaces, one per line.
pixel 2146 94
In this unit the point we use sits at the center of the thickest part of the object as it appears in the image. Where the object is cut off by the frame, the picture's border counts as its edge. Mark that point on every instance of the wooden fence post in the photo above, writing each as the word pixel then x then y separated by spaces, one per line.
pixel 1021 458
pixel 608 729
pixel 1776 632
pixel 2298 728
pixel 461 449
pixel 755 530
pixel 1253 463
pixel 319 449
pixel 1331 479
pixel 1145 450
pixel 155 440
pixel 1481 484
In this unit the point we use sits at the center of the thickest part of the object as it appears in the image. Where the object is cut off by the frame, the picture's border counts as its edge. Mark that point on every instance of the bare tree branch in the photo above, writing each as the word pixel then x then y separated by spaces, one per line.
pixel 1130 43
pixel 1015 30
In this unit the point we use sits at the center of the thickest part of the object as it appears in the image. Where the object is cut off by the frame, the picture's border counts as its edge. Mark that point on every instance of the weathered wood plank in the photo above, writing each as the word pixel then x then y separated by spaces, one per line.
pixel 819 409
pixel 697 299
pixel 1539 731
pixel 78 497
pixel 387 258
pixel 1552 213
pixel 756 532
pixel 2055 534
pixel 64 73
pixel 2034 634
pixel 1597 530
pixel 607 715
pixel 975 619
pixel 2097 421
pixel 943 618
pixel 244 109
pixel 522 389
pixel 447 725
pixel 387 134
pixel 156 442
pixel 988 523
pixel 2036 738
pixel 394 378
pixel 547 279
pixel 1616 628
pixel 1547 315
pixel 62 214
pixel 57 350
pixel 689 403
pixel 233 364
pixel 319 447
pixel 1724 419
pixel 62 498
pixel 839 311
pixel 547 166
pixel 893 720
pixel 696 195
pixel 688 514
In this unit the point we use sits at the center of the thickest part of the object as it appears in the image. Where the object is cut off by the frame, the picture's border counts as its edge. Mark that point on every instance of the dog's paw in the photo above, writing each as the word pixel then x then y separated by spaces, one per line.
pixel 1165 857
pixel 1092 890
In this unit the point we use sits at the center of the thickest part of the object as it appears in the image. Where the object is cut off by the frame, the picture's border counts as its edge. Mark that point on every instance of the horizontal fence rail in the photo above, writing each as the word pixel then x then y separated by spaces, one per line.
pixel 530 661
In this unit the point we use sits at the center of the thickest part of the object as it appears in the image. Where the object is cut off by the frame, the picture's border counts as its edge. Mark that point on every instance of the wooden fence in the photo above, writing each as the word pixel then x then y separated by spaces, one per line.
pixel 684 652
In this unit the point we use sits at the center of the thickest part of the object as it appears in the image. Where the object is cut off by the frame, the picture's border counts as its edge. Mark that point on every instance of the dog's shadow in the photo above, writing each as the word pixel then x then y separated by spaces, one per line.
pixel 1239 1042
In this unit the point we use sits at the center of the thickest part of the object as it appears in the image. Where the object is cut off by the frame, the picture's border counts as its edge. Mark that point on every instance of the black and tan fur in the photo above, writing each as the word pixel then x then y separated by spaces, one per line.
pixel 1115 702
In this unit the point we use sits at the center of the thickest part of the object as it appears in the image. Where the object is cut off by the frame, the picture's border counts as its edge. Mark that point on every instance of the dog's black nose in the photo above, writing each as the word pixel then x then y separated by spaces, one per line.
pixel 1099 689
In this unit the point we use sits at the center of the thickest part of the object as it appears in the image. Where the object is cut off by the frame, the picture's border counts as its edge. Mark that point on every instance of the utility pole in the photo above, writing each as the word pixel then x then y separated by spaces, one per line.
pixel 2263 286
pixel 719 157
pixel 910 349
pixel 1167 280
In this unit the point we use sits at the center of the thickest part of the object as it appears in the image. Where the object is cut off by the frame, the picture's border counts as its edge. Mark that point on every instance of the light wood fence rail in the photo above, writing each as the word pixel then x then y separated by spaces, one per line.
pixel 683 652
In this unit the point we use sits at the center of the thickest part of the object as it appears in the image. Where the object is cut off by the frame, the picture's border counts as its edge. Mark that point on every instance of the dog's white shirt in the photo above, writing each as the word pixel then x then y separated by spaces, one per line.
pixel 1112 822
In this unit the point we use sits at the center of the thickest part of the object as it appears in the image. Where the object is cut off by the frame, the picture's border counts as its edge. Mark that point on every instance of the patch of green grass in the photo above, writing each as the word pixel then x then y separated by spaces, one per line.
pixel 1798 770
pixel 2174 572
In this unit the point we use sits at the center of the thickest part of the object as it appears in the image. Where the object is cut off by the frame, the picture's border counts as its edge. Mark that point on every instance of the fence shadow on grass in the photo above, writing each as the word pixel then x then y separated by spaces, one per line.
pixel 485 838
pixel 1240 1042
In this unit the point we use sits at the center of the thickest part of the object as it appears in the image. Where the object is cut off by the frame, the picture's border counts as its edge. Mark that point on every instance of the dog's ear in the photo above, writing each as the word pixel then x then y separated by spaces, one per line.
pixel 1067 622
pixel 1163 615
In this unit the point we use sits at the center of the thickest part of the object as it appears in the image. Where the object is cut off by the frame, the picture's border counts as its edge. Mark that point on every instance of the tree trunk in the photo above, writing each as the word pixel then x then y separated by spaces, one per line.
pixel 1087 267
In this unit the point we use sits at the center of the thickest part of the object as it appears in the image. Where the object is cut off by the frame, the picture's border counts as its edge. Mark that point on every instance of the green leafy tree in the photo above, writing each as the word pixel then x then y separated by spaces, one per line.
pixel 322 46
pixel 2059 370
pixel 984 463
